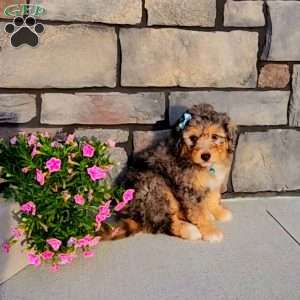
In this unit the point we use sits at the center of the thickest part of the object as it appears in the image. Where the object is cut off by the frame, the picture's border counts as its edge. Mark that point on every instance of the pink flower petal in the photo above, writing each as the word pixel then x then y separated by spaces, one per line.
pixel 104 212
pixel 88 254
pixel 72 242
pixel 34 151
pixel 88 150
pixel 28 208
pixel 47 255
pixel 65 258
pixel 13 140
pixel 5 247
pixel 85 241
pixel 94 242
pixel 54 243
pixel 32 140
pixel 33 259
pixel 79 199
pixel 70 139
pixel 54 268
pixel 46 134
pixel 53 164
pixel 128 195
pixel 39 177
pixel 120 206
pixel 16 233
pixel 97 173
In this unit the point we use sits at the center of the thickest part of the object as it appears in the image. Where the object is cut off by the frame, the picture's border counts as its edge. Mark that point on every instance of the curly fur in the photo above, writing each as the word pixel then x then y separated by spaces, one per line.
pixel 168 193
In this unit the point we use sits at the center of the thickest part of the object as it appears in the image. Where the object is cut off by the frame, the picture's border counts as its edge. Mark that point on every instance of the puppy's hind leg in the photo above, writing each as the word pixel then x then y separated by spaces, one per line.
pixel 182 229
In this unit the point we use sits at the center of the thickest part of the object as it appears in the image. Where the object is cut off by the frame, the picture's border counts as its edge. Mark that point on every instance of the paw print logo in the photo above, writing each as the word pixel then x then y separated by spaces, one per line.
pixel 24 31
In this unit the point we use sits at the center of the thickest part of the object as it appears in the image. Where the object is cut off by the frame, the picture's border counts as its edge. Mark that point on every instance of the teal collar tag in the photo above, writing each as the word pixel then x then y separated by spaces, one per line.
pixel 212 170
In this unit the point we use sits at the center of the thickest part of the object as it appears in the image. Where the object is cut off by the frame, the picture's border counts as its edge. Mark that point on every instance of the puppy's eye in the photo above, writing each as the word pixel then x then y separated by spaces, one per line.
pixel 218 139
pixel 194 139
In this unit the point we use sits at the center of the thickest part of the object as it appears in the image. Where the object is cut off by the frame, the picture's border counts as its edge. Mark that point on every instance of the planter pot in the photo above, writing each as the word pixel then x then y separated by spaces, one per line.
pixel 15 260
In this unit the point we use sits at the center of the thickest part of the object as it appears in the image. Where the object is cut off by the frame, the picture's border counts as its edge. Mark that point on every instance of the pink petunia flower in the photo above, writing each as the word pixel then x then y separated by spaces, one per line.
pixel 66 258
pixel 111 143
pixel 53 164
pixel 81 243
pixel 34 151
pixel 95 241
pixel 54 268
pixel 46 134
pixel 13 140
pixel 28 208
pixel 33 259
pixel 79 199
pixel 72 242
pixel 47 255
pixel 97 173
pixel 120 206
pixel 5 247
pixel 88 150
pixel 32 140
pixel 85 241
pixel 16 233
pixel 104 212
pixel 128 195
pixel 70 139
pixel 39 177
pixel 54 243
pixel 88 254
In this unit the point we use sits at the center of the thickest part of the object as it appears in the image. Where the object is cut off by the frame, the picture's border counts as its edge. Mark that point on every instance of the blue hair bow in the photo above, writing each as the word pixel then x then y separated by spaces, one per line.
pixel 183 121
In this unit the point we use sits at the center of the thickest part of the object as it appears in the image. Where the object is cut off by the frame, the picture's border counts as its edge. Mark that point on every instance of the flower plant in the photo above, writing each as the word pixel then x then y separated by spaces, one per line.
pixel 65 200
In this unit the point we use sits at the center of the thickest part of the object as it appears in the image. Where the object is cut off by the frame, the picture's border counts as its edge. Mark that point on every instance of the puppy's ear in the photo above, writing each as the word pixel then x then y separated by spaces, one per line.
pixel 231 131
pixel 177 140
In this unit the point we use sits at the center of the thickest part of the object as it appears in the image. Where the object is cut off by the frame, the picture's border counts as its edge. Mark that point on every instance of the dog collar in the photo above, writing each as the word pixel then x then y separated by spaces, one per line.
pixel 212 170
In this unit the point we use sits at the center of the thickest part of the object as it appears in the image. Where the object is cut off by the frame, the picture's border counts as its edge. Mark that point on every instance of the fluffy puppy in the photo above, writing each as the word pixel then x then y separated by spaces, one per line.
pixel 179 183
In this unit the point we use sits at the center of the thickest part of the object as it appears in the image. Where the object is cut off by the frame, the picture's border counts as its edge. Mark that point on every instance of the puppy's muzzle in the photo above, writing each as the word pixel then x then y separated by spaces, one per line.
pixel 205 156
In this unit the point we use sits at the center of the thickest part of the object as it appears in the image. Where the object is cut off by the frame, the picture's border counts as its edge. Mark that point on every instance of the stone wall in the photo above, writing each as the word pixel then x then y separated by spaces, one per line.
pixel 126 69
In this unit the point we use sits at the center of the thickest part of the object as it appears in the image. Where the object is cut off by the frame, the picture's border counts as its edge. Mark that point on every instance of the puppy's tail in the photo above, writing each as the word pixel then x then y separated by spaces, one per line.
pixel 122 229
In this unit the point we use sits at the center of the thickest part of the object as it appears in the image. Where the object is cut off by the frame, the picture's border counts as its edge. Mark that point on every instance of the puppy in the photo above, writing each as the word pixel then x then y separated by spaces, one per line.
pixel 178 184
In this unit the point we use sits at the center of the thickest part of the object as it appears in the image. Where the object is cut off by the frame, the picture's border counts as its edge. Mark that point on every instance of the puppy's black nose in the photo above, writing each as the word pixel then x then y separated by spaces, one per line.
pixel 205 156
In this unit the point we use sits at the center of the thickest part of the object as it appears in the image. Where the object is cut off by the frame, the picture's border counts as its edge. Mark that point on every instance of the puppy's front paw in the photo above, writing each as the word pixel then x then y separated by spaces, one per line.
pixel 222 214
pixel 190 232
pixel 211 234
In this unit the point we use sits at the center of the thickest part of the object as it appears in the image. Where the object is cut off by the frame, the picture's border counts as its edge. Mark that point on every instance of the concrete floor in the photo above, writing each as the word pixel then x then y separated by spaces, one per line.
pixel 259 259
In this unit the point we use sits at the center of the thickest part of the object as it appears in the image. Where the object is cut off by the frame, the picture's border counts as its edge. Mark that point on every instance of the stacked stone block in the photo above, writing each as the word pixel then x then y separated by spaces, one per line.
pixel 126 70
